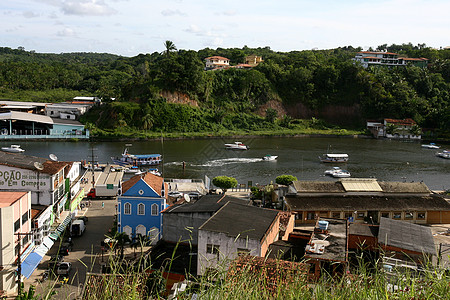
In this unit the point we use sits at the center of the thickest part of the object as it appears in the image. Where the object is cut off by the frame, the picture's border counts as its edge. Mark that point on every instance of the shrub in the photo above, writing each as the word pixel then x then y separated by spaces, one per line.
pixel 285 179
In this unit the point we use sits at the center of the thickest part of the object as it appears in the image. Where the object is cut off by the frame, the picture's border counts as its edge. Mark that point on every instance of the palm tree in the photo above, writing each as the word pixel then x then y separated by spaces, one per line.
pixel 121 239
pixel 391 128
pixel 147 122
pixel 170 46
pixel 415 130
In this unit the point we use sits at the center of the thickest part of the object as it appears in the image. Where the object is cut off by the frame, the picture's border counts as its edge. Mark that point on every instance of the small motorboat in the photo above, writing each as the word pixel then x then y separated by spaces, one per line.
pixel 332 171
pixel 236 146
pixel 444 154
pixel 269 157
pixel 132 170
pixel 13 149
pixel 341 174
pixel 154 171
pixel 431 146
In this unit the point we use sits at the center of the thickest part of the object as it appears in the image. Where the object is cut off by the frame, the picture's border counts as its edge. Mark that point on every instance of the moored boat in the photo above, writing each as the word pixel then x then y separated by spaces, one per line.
pixel 13 149
pixel 332 171
pixel 270 157
pixel 334 158
pixel 137 159
pixel 444 154
pixel 430 146
pixel 236 146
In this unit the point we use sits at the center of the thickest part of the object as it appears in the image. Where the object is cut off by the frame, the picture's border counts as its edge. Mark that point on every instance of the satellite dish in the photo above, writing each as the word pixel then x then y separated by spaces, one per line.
pixel 38 166
pixel 53 157
pixel 187 198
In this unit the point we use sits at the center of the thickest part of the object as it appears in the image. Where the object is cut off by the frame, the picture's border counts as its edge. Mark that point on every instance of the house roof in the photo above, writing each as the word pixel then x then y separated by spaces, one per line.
pixel 334 240
pixel 344 185
pixel 237 220
pixel 405 235
pixel 207 203
pixel 376 52
pixel 155 182
pixel 28 162
pixel 217 58
pixel 363 229
pixel 8 198
pixel 23 116
pixel 401 122
pixel 366 202
pixel 414 59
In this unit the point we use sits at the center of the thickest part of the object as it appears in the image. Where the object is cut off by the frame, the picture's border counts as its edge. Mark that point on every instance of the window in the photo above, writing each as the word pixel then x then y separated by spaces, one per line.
pixel 323 214
pixel 420 215
pixel 397 215
pixel 360 215
pixel 299 216
pixel 385 215
pixel 127 209
pixel 16 225
pixel 336 215
pixel 24 217
pixel 212 249
pixel 409 215
pixel 154 209
pixel 141 209
pixel 348 215
pixel 310 215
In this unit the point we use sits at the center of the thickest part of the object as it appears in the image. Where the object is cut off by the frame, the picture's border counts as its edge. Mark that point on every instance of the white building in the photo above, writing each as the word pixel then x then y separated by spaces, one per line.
pixel 235 230
pixel 15 216
pixel 66 110
pixel 216 62
pixel 377 58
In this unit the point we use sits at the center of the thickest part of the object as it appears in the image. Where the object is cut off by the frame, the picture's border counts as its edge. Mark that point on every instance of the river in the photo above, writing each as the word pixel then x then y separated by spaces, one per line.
pixel 386 160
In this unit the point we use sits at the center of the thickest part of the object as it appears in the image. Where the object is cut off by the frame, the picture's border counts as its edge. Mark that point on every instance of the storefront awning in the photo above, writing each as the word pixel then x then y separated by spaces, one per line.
pixel 30 263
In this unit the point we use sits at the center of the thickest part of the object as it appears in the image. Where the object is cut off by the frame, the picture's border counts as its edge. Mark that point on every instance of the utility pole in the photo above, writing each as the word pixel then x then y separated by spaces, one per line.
pixel 92 166
pixel 19 263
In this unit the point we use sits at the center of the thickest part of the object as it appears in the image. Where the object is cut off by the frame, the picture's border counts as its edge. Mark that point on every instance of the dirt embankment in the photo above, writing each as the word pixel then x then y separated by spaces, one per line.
pixel 177 97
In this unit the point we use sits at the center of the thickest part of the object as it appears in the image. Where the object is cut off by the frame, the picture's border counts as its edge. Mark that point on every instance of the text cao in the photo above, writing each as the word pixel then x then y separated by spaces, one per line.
pixel 14 178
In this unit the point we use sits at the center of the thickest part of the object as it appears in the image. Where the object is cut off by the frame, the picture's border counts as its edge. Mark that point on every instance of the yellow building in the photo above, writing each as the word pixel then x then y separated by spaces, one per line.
pixel 253 60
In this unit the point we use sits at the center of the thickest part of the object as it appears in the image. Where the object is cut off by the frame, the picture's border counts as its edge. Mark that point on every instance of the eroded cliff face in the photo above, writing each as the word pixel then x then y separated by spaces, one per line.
pixel 178 97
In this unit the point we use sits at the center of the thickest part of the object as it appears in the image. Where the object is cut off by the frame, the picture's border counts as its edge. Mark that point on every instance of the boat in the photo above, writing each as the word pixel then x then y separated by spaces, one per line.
pixel 269 157
pixel 334 158
pixel 154 171
pixel 236 146
pixel 132 170
pixel 137 159
pixel 444 154
pixel 431 146
pixel 341 174
pixel 13 149
pixel 332 171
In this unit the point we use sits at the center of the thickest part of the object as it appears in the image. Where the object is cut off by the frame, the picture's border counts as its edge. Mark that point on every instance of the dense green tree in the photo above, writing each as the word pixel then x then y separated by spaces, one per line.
pixel 285 179
pixel 225 182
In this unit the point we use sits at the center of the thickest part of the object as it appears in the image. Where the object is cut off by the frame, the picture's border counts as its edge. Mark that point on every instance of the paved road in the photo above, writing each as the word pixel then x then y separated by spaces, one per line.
pixel 85 255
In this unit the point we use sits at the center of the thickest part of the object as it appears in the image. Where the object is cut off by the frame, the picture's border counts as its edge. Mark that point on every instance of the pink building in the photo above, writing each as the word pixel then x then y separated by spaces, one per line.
pixel 15 218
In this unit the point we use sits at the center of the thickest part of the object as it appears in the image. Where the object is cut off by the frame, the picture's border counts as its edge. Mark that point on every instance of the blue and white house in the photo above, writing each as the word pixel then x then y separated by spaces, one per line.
pixel 140 205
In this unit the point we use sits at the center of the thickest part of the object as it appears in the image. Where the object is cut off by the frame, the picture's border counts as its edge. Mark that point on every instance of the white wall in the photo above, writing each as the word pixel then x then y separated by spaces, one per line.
pixel 228 247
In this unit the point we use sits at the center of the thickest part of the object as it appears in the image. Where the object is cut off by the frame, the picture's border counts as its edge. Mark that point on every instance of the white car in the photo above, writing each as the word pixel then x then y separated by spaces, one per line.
pixel 63 268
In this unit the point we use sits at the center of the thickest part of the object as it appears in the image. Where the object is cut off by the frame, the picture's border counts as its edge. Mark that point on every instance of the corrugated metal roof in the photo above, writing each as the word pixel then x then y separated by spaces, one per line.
pixel 15 115
pixel 361 185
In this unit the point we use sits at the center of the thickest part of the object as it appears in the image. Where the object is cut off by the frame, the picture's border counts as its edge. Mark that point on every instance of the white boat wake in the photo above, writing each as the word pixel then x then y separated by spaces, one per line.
pixel 227 161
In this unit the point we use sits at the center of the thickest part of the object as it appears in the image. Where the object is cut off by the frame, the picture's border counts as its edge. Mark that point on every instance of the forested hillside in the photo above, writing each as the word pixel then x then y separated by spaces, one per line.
pixel 171 92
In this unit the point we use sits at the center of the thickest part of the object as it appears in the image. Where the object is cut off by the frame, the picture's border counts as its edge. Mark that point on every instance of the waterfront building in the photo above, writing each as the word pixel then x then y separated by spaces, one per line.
pixel 216 62
pixel 15 219
pixel 140 205
pixel 366 200
pixel 21 125
pixel 389 59
pixel 70 111
pixel 401 129
pixel 234 230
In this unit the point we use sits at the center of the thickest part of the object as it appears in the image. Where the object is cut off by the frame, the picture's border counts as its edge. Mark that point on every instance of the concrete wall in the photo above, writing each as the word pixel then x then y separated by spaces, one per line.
pixel 175 226
pixel 271 236
pixel 228 250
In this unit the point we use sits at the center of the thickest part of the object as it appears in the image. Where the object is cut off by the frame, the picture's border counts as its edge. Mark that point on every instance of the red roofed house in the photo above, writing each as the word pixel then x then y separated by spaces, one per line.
pixel 393 128
pixel 15 216
pixel 216 62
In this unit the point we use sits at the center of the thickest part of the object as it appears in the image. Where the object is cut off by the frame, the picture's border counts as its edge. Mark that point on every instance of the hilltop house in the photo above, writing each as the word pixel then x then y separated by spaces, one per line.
pixel 377 58
pixel 366 200
pixel 140 205
pixel 253 60
pixel 395 129
pixel 216 62
pixel 234 230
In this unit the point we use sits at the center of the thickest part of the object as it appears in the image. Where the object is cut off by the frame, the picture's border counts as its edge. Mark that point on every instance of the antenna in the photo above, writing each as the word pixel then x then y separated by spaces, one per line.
pixel 53 157
pixel 38 166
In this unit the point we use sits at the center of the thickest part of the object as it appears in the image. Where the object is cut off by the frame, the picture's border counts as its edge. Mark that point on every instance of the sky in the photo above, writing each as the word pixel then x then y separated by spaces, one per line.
pixel 131 27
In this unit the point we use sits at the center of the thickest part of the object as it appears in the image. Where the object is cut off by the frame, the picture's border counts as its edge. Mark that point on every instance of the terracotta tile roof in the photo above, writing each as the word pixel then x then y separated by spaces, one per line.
pixel 414 59
pixel 377 52
pixel 400 122
pixel 269 274
pixel 217 58
pixel 53 167
pixel 8 198
pixel 27 162
pixel 155 182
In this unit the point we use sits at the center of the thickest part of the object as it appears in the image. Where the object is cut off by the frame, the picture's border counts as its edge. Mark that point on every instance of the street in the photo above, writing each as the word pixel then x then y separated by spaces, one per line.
pixel 85 256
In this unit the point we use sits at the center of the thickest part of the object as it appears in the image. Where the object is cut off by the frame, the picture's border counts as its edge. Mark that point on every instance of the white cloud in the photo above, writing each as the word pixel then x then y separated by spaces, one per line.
pixel 171 12
pixel 87 8
pixel 227 13
pixel 193 29
pixel 66 32
pixel 29 14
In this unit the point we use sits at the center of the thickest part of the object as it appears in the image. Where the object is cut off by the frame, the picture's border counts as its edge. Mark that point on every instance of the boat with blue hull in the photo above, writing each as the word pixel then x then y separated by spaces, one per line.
pixel 137 159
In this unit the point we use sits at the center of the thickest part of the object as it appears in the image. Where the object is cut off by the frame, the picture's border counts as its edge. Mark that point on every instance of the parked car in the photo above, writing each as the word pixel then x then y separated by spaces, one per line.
pixel 63 268
pixel 54 261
